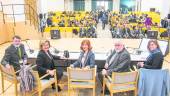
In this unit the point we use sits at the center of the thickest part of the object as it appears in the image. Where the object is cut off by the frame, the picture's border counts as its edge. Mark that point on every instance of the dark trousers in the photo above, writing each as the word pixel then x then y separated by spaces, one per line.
pixel 59 72
pixel 103 25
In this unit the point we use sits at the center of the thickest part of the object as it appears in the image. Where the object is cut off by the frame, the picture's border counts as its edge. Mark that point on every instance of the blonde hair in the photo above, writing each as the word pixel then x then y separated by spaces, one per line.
pixel 42 43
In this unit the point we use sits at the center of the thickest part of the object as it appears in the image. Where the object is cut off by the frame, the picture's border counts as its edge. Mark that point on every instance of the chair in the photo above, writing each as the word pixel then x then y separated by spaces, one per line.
pixel 121 82
pixel 42 84
pixel 81 78
pixel 10 76
pixel 154 82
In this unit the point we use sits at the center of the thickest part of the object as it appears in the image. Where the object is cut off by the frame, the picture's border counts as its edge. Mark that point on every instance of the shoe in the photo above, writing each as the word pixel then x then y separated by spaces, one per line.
pixel 59 89
pixel 53 87
pixel 106 92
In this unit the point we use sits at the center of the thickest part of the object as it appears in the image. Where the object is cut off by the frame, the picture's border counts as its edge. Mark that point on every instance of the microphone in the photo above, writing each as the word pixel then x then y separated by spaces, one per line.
pixel 30 50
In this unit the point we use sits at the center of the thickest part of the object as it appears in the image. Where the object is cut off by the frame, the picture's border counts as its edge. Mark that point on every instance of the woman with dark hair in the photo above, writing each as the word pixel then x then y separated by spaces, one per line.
pixel 155 59
pixel 86 58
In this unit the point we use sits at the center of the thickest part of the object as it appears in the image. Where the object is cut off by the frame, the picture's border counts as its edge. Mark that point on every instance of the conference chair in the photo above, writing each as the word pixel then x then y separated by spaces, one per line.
pixel 10 76
pixel 154 82
pixel 42 84
pixel 121 82
pixel 81 78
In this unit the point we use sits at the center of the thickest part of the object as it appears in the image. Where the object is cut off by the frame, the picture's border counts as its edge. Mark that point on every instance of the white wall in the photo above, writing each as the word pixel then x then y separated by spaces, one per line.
pixel 116 5
pixel 68 5
pixel 50 5
pixel 88 5
pixel 163 6
pixel 19 9
pixel 147 4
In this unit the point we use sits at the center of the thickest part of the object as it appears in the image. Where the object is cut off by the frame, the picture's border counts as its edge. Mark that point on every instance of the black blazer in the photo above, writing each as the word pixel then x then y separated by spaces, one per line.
pixel 120 63
pixel 12 57
pixel 44 62
pixel 155 62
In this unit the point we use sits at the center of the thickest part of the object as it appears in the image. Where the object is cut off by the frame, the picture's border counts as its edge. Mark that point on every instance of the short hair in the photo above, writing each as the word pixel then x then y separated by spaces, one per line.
pixel 42 42
pixel 16 36
pixel 153 41
pixel 86 41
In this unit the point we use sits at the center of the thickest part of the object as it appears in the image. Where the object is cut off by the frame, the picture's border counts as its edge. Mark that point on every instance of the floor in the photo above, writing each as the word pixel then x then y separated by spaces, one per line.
pixel 103 33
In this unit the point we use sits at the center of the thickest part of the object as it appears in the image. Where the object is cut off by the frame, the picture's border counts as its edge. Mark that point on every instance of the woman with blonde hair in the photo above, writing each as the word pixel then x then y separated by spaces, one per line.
pixel 87 57
pixel 45 62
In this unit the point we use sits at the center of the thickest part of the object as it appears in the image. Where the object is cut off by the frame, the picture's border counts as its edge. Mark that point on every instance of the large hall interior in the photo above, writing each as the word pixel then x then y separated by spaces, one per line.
pixel 84 48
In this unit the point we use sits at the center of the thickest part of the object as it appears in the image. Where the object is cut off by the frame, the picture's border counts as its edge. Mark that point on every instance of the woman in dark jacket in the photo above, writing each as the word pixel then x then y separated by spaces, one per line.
pixel 155 58
pixel 45 61
pixel 86 58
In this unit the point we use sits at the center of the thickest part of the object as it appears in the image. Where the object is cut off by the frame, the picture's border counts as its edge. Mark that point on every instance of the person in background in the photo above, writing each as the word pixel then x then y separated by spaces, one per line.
pixel 104 20
pixel 148 22
pixel 49 22
pixel 45 62
pixel 86 58
pixel 155 59
pixel 15 54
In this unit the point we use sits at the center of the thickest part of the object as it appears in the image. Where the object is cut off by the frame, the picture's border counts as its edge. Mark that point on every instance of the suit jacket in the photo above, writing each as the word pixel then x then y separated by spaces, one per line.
pixel 155 62
pixel 12 57
pixel 120 63
pixel 89 61
pixel 44 62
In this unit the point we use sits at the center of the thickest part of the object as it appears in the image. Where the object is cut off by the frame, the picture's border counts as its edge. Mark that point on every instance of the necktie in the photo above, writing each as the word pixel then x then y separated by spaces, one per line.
pixel 19 52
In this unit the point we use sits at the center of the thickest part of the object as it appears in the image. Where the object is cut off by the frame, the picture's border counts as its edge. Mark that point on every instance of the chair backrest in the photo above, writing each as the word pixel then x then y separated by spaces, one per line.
pixel 9 75
pixel 36 79
pixel 77 74
pixel 125 77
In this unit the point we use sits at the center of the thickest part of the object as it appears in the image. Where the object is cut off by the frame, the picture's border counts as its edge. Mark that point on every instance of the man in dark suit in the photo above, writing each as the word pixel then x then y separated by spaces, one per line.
pixel 118 60
pixel 15 54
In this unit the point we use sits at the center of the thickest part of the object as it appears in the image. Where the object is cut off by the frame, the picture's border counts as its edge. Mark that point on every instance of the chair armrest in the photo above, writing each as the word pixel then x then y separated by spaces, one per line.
pixel 109 78
pixel 29 65
pixel 47 75
pixel 44 76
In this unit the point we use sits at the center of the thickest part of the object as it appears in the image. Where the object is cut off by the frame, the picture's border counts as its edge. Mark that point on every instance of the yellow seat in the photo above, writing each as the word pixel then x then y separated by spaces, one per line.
pixel 121 82
pixel 47 29
pixel 81 78
pixel 62 29
pixel 69 29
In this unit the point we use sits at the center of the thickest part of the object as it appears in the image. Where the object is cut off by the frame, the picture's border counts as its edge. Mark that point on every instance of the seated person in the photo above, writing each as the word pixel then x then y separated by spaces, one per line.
pixel 45 62
pixel 118 60
pixel 49 21
pixel 86 58
pixel 15 54
pixel 61 23
pixel 155 59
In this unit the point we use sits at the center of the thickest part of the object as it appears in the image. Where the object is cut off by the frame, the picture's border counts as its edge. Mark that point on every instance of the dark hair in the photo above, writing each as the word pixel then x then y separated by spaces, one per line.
pixel 153 41
pixel 17 37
